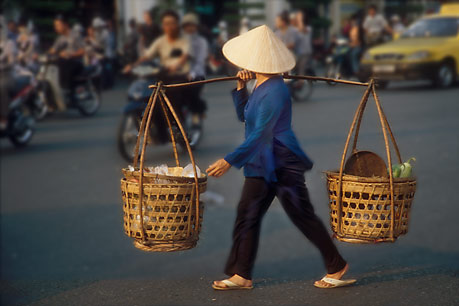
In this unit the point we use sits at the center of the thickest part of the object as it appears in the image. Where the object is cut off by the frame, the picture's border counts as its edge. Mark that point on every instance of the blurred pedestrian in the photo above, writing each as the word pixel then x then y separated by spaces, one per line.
pixel 78 31
pixel 12 30
pixel 99 35
pixel 356 43
pixel 149 31
pixel 69 50
pixel 273 161
pixel 199 53
pixel 375 26
pixel 173 50
pixel 94 51
pixel 397 25
pixel 130 47
pixel 245 25
pixel 222 37
pixel 110 55
pixel 287 34
pixel 8 54
pixel 110 51
pixel 27 45
pixel 303 48
pixel 346 27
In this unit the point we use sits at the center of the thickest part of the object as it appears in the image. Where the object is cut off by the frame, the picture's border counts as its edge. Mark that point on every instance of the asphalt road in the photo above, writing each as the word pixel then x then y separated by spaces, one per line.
pixel 62 240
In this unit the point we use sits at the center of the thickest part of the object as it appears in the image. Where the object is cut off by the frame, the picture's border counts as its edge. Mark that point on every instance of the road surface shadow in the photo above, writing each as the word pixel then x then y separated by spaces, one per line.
pixel 404 263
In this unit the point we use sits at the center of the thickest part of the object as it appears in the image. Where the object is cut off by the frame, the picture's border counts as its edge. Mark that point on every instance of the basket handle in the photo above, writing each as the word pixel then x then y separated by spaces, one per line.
pixel 164 98
pixel 360 111
pixel 151 102
pixel 371 89
pixel 166 105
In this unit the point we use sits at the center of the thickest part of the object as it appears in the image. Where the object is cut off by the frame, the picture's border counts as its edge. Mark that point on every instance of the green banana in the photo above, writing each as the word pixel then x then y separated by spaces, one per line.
pixel 402 170
pixel 407 169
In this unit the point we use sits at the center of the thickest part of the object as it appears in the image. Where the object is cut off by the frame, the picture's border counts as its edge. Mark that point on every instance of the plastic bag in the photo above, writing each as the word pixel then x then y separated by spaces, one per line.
pixel 189 172
pixel 162 169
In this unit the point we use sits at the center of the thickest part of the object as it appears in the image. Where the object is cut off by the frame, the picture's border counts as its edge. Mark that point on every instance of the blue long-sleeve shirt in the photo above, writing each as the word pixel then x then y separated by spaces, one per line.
pixel 267 114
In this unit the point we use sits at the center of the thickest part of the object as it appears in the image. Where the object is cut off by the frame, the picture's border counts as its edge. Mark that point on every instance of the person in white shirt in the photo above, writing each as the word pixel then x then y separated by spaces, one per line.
pixel 397 25
pixel 287 34
pixel 303 48
pixel 173 50
pixel 374 25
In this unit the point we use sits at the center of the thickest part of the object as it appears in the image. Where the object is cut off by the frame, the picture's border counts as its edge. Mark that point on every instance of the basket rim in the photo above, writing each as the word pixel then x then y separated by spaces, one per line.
pixel 136 172
pixel 171 184
pixel 375 179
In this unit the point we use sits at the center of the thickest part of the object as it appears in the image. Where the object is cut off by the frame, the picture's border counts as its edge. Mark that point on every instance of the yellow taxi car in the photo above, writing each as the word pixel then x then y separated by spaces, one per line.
pixel 428 49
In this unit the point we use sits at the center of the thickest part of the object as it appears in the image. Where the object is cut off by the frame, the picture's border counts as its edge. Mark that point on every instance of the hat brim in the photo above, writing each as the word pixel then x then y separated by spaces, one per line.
pixel 265 52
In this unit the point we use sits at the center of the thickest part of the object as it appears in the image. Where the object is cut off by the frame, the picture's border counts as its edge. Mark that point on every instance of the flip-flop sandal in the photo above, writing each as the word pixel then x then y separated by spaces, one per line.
pixel 335 283
pixel 230 286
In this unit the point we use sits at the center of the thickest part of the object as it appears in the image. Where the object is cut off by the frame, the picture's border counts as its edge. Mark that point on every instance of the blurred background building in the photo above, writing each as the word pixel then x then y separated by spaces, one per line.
pixel 325 16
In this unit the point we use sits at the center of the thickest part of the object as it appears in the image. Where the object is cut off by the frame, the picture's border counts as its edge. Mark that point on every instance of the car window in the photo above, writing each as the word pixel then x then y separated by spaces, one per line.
pixel 435 27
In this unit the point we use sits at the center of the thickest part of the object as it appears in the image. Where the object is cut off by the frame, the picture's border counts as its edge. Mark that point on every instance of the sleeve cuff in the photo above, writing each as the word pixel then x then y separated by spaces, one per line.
pixel 240 94
pixel 231 159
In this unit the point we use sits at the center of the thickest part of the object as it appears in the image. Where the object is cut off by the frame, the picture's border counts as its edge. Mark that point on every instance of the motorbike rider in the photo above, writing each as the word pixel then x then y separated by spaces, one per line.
pixel 11 79
pixel 94 51
pixel 199 53
pixel 7 60
pixel 69 49
pixel 27 44
pixel 173 50
pixel 356 42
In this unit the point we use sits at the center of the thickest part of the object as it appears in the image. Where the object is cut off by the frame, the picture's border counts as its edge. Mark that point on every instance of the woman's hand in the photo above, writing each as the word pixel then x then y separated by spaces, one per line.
pixel 218 168
pixel 244 76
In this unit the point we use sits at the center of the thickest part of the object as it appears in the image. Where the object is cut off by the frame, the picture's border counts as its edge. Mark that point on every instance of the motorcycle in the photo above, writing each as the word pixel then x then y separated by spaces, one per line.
pixel 20 128
pixel 87 93
pixel 138 97
pixel 35 101
pixel 338 63
pixel 301 90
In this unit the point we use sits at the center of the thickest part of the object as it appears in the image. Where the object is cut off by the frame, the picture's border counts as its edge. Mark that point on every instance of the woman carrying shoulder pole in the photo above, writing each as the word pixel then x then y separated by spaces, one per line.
pixel 273 161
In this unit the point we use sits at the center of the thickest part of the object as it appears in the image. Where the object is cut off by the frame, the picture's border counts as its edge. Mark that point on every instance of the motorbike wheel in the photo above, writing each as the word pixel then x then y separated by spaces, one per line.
pixel 23 136
pixel 127 136
pixel 90 105
pixel 301 90
pixel 40 108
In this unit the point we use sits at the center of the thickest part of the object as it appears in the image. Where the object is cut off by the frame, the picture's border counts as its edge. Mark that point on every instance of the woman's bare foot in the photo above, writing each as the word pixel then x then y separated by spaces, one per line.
pixel 238 280
pixel 337 275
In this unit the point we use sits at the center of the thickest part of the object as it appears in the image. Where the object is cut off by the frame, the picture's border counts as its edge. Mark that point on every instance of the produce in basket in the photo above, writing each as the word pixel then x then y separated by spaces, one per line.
pixel 402 170
pixel 164 170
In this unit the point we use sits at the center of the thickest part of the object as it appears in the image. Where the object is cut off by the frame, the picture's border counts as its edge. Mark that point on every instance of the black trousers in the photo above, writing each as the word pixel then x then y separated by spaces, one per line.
pixel 257 195
pixel 69 69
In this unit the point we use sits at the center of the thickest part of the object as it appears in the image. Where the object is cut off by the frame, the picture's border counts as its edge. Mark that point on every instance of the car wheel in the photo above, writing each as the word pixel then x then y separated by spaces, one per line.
pixel 445 76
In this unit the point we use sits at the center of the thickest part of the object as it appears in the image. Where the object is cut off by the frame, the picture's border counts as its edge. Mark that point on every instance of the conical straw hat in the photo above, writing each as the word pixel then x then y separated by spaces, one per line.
pixel 259 50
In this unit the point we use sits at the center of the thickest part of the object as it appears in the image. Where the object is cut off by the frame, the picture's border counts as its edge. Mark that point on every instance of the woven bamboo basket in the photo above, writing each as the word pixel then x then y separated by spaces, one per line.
pixel 369 209
pixel 162 213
